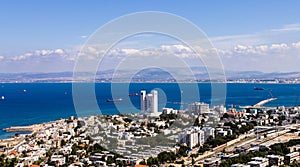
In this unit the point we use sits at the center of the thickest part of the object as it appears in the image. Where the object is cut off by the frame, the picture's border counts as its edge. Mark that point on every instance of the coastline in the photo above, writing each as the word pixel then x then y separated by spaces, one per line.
pixel 291 81
pixel 38 132
pixel 26 128
pixel 17 139
pixel 14 141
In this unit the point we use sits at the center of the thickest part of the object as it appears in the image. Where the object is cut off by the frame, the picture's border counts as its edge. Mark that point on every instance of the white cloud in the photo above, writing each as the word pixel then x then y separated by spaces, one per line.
pixel 59 51
pixel 269 50
pixel 296 45
pixel 44 60
pixel 176 48
pixel 279 47
pixel 22 56
pixel 39 53
pixel 286 34
pixel 244 50
pixel 263 57
pixel 267 58
pixel 126 51
pixel 288 27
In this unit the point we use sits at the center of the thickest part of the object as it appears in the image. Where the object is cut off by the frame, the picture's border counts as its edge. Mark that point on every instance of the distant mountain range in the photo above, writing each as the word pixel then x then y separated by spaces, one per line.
pixel 154 74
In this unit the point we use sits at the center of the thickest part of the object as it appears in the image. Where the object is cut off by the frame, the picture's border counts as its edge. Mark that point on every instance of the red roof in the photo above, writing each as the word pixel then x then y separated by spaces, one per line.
pixel 57 139
pixel 13 152
pixel 82 145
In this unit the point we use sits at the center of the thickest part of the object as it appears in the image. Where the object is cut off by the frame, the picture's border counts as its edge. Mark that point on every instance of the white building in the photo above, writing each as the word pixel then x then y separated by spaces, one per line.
pixel 59 159
pixel 149 103
pixel 198 108
pixel 209 131
pixel 291 157
pixel 169 111
pixel 192 136
pixel 143 101
pixel 240 165
pixel 276 160
pixel 220 109
pixel 222 133
pixel 259 162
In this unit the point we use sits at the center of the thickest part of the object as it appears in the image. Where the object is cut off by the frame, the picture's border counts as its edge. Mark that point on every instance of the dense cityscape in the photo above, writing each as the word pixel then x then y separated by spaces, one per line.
pixel 197 136
pixel 149 83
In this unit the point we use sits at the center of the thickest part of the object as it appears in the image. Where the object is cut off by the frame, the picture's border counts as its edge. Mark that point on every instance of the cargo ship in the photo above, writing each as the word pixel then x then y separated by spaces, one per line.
pixel 258 88
pixel 114 100
pixel 133 94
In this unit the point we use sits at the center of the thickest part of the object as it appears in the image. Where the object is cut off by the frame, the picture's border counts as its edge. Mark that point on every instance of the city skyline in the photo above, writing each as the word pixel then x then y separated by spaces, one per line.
pixel 149 83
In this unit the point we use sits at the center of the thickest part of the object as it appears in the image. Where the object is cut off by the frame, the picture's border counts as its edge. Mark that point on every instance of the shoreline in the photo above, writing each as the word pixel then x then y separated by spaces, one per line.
pixel 31 128
pixel 14 140
pixel 154 82
pixel 26 128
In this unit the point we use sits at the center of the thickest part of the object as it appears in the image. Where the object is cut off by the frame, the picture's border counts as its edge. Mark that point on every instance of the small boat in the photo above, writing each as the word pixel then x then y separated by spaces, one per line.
pixel 133 94
pixel 22 90
pixel 114 100
pixel 258 88
pixel 2 97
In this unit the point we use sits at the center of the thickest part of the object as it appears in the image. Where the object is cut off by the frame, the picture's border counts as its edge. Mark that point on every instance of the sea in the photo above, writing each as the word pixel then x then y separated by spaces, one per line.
pixel 31 103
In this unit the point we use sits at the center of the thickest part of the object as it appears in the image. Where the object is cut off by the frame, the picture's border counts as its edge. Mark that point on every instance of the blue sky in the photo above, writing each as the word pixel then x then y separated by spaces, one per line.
pixel 27 26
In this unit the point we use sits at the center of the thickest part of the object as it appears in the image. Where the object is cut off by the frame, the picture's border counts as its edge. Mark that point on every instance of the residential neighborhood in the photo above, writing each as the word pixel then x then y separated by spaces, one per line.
pixel 198 136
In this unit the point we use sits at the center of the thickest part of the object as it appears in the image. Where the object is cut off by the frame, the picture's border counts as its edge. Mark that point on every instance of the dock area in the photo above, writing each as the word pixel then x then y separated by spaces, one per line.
pixel 29 128
pixel 260 104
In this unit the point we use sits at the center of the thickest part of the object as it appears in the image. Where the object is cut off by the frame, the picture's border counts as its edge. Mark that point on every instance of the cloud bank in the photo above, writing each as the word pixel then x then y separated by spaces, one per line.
pixel 267 58
pixel 274 50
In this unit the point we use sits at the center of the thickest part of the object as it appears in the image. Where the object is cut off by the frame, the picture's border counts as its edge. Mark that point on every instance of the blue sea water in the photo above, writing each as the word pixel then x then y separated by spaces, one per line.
pixel 29 103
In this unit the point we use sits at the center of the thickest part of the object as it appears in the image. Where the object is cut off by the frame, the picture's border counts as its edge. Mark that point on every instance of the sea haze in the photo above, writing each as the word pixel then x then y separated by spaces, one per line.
pixel 151 74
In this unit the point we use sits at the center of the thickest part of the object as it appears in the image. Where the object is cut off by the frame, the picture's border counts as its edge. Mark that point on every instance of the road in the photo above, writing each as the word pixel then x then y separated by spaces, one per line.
pixel 251 139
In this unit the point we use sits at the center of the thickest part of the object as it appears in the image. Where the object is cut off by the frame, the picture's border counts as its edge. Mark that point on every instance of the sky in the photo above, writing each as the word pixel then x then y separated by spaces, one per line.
pixel 45 36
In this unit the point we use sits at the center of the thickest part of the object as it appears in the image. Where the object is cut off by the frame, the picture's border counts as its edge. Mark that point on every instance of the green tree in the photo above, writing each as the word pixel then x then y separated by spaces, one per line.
pixel 197 122
pixel 204 148
pixel 225 115
pixel 269 112
pixel 143 162
pixel 193 161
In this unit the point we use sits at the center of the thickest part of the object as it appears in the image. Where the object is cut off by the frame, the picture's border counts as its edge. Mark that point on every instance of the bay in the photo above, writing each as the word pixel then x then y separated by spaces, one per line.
pixel 30 103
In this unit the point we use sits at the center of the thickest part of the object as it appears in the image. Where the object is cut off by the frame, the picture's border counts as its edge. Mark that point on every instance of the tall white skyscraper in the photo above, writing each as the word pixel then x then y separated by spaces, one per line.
pixel 149 103
pixel 154 105
pixel 143 101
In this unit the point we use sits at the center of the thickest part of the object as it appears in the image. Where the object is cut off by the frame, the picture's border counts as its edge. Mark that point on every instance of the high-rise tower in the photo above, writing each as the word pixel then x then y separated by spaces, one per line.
pixel 149 103
pixel 143 101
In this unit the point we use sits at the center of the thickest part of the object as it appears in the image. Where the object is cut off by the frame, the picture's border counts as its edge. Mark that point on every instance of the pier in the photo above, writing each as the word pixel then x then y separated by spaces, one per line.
pixel 29 128
pixel 260 104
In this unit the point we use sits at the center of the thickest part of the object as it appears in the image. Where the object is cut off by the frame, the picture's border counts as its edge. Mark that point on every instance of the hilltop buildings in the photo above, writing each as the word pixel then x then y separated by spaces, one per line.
pixel 192 137
pixel 198 108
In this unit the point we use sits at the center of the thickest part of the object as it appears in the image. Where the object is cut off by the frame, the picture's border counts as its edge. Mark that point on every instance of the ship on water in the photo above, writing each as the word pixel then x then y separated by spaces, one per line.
pixel 133 94
pixel 258 88
pixel 114 100
pixel 22 90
